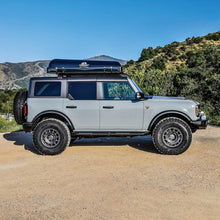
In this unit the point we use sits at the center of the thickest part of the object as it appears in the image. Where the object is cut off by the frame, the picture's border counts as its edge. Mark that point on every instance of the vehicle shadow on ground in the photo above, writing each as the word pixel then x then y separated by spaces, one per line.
pixel 21 138
pixel 143 143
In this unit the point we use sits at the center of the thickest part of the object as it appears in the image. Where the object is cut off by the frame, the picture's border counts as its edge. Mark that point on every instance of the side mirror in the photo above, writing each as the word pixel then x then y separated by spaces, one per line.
pixel 70 97
pixel 139 95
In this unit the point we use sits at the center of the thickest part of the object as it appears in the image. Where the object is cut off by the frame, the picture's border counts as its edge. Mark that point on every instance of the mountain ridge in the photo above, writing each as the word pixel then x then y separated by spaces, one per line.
pixel 17 75
pixel 106 58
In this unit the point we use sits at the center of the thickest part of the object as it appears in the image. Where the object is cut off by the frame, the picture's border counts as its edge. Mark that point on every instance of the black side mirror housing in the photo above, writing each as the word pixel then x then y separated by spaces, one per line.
pixel 70 97
pixel 139 95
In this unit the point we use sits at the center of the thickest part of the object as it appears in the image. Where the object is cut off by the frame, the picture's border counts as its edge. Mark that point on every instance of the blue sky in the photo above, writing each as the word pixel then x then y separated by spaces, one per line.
pixel 47 29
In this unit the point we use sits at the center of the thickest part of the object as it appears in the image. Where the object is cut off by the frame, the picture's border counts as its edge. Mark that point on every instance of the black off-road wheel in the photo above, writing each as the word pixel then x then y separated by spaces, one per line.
pixel 172 136
pixel 51 137
pixel 18 106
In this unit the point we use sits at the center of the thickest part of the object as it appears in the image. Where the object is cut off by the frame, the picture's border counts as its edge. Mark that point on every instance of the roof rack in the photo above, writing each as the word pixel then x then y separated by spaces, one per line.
pixel 72 67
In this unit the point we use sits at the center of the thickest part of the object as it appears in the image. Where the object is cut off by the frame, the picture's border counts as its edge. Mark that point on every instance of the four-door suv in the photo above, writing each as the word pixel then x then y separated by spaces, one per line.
pixel 91 98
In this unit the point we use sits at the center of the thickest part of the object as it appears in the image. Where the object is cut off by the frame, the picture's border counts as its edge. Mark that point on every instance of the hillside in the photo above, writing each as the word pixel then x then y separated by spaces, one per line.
pixel 17 75
pixel 190 68
pixel 104 57
pixel 175 55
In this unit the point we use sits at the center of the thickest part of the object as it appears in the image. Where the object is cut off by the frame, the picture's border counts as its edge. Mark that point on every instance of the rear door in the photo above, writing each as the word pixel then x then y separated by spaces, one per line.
pixel 81 105
pixel 119 111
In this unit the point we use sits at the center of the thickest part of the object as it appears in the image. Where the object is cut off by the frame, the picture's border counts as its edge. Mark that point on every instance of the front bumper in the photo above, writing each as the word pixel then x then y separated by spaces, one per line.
pixel 201 124
pixel 27 126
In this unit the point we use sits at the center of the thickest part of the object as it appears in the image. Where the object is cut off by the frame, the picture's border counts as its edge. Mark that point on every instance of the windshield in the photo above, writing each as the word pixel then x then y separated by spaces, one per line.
pixel 139 90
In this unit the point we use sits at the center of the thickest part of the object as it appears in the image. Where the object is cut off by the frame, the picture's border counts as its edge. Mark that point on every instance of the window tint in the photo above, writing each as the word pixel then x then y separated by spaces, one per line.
pixel 82 90
pixel 47 89
pixel 118 90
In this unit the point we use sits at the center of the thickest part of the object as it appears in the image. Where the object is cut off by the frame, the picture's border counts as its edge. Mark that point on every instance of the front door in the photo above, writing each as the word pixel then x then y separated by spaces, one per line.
pixel 119 111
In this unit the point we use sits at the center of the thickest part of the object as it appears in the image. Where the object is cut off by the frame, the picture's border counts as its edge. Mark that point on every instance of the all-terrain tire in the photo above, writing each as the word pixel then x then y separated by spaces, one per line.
pixel 51 136
pixel 18 106
pixel 172 136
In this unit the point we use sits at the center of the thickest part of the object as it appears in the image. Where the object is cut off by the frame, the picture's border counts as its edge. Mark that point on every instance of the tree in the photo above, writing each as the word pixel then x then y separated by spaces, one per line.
pixel 147 54
pixel 159 63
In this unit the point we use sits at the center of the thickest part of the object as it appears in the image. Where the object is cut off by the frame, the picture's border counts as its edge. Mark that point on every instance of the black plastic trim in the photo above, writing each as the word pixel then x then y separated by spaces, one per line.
pixel 201 124
pixel 27 126
pixel 108 133
pixel 108 107
pixel 56 113
pixel 167 113
pixel 71 106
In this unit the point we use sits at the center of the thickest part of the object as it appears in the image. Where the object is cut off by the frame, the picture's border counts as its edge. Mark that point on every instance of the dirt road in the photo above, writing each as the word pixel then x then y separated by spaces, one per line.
pixel 110 178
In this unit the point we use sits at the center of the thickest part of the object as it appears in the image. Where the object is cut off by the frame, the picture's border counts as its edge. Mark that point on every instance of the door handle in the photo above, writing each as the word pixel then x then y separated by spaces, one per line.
pixel 71 106
pixel 108 107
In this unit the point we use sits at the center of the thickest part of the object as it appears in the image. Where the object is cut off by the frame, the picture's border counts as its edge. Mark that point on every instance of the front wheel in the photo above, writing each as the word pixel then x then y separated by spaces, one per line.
pixel 172 136
pixel 51 136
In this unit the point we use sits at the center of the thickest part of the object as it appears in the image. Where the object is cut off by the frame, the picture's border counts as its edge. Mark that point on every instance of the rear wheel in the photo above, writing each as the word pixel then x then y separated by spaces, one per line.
pixel 51 136
pixel 18 106
pixel 172 136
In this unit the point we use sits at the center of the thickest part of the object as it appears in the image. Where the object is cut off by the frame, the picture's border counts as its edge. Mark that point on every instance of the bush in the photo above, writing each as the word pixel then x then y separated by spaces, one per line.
pixel 147 54
pixel 183 57
pixel 6 100
pixel 130 62
pixel 175 44
pixel 183 48
pixel 197 40
pixel 170 49
pixel 8 126
pixel 158 49
pixel 213 36
pixel 174 58
pixel 195 59
pixel 159 63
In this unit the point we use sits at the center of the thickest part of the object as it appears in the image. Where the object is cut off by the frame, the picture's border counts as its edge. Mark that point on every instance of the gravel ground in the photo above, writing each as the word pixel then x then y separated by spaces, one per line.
pixel 110 178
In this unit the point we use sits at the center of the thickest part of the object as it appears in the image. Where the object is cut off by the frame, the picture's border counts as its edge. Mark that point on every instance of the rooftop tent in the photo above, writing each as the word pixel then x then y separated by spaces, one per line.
pixel 61 66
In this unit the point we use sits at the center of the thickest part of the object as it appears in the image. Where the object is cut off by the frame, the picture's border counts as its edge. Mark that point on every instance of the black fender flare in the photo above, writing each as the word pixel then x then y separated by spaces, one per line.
pixel 52 113
pixel 168 114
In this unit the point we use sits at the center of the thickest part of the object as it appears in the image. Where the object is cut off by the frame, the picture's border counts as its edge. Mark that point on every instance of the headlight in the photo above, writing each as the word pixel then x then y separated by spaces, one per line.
pixel 202 115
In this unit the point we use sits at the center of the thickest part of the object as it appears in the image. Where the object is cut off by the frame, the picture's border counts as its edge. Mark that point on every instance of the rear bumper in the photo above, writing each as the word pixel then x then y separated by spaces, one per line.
pixel 201 124
pixel 27 126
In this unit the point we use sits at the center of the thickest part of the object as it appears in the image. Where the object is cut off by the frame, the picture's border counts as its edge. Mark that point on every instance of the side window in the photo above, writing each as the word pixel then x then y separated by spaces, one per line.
pixel 47 89
pixel 117 90
pixel 82 90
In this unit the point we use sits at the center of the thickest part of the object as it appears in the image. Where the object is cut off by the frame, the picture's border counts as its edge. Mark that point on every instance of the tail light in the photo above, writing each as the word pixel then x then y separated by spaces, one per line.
pixel 25 109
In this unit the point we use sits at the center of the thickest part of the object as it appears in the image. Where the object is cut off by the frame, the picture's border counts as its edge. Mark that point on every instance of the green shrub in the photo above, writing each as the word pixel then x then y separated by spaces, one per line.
pixel 8 126
pixel 159 63
pixel 147 54
pixel 213 36
pixel 130 62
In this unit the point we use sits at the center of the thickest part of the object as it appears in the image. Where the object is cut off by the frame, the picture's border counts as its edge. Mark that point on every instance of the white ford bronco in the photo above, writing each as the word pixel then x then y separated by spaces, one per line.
pixel 89 98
